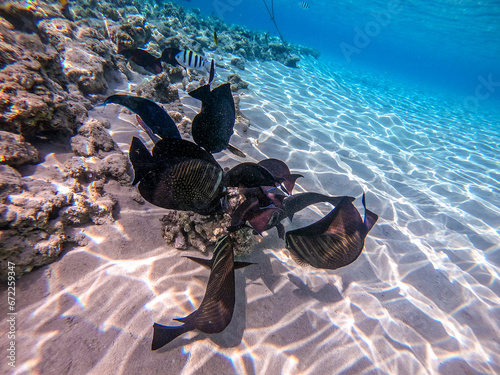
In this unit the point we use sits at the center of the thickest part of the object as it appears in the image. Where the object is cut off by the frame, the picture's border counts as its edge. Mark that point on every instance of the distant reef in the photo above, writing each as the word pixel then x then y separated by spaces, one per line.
pixel 56 63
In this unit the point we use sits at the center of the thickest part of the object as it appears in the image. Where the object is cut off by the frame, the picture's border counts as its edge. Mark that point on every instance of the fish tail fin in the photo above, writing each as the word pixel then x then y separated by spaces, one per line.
pixel 162 335
pixel 201 93
pixel 370 217
pixel 141 159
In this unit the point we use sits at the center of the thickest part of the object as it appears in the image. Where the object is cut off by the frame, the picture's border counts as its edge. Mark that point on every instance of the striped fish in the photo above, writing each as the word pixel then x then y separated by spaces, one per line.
pixel 304 5
pixel 216 309
pixel 190 59
pixel 179 175
pixel 334 241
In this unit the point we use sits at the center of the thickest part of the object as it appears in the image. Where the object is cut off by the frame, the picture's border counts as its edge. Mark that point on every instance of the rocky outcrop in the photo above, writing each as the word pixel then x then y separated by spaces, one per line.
pixel 15 151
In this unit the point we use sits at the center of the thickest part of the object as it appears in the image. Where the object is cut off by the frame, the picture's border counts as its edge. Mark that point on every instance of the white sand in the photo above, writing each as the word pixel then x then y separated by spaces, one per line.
pixel 423 297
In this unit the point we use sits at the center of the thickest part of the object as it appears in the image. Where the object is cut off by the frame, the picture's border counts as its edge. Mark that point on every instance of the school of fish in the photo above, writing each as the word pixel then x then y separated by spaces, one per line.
pixel 182 175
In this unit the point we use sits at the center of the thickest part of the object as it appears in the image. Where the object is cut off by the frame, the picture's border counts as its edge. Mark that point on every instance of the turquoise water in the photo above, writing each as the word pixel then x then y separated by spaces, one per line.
pixel 447 43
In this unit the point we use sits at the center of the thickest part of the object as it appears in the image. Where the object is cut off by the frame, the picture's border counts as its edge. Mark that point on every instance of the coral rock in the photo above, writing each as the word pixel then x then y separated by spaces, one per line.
pixel 14 151
pixel 91 138
pixel 238 62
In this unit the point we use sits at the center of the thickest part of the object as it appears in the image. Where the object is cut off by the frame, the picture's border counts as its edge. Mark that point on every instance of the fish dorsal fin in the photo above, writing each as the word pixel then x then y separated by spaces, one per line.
pixel 177 149
pixel 343 216
pixel 212 71
pixel 298 202
pixel 201 93
pixel 142 161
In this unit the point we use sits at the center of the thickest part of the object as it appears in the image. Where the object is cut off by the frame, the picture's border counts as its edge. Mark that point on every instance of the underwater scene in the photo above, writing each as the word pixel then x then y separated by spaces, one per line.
pixel 250 187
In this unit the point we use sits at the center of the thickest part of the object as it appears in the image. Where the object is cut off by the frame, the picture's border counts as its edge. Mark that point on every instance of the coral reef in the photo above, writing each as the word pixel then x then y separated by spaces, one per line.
pixel 184 229
pixel 35 215
pixel 55 64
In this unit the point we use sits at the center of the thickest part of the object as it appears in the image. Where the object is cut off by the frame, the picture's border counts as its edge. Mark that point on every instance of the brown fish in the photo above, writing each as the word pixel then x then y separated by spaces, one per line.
pixel 216 309
pixel 334 241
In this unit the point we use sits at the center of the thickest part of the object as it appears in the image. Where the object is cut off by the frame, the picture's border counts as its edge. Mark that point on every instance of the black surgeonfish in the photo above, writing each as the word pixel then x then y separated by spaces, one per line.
pixel 154 116
pixel 213 126
pixel 144 59
pixel 179 175
pixel 334 241
pixel 216 309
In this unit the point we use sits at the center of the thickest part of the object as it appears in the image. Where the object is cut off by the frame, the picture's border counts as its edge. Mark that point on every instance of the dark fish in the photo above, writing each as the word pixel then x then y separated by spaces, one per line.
pixel 249 175
pixel 279 169
pixel 154 116
pixel 216 309
pixel 147 129
pixel 144 59
pixel 213 126
pixel 216 38
pixel 334 241
pixel 297 202
pixel 260 219
pixel 178 175
pixel 264 218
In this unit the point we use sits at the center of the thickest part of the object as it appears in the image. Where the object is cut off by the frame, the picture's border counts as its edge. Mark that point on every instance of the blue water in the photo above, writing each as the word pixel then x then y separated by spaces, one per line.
pixel 451 45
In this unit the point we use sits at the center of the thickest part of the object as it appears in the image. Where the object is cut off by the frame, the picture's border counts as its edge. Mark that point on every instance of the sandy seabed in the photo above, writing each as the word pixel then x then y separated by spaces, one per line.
pixel 423 298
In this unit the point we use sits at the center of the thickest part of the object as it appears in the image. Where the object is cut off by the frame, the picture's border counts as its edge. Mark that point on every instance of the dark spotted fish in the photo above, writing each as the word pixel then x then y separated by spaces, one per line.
pixel 334 241
pixel 279 169
pixel 178 175
pixel 216 309
pixel 144 59
pixel 213 126
pixel 154 116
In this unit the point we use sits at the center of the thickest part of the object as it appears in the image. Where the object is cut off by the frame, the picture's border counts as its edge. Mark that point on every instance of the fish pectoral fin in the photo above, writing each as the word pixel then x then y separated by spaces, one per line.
pixel 238 265
pixel 204 262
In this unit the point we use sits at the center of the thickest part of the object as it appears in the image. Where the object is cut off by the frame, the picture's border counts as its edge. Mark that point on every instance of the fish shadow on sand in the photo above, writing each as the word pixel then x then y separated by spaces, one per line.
pixel 327 294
